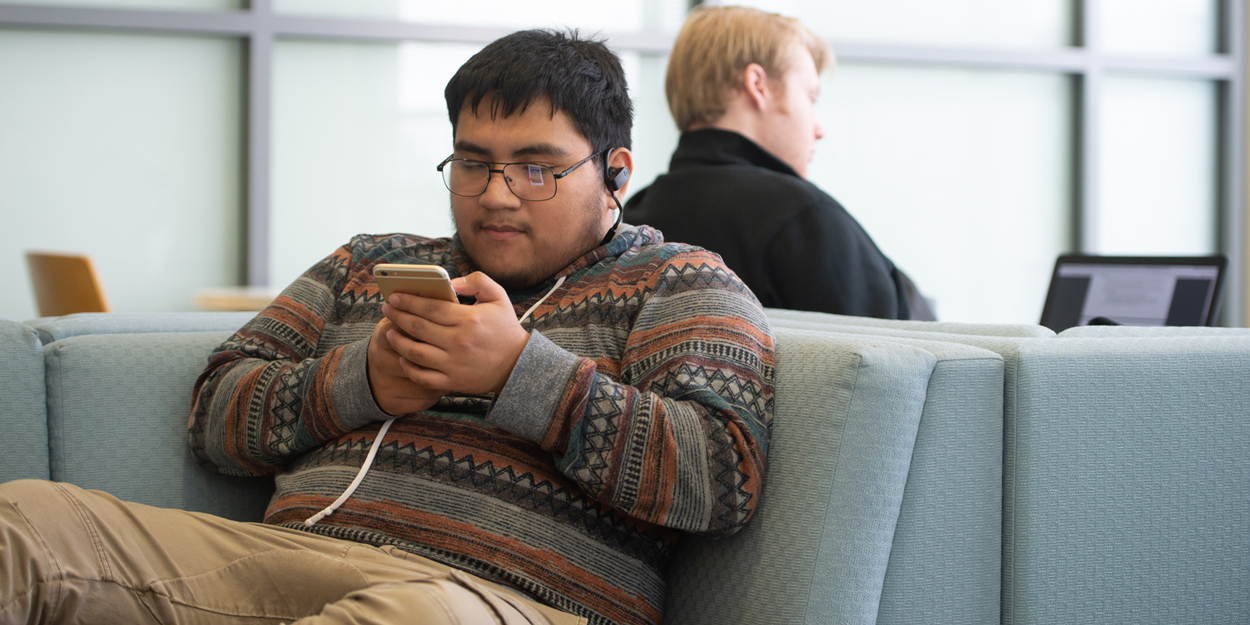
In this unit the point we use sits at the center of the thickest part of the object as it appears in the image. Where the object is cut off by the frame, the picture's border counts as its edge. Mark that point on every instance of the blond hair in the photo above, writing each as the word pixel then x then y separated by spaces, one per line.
pixel 716 45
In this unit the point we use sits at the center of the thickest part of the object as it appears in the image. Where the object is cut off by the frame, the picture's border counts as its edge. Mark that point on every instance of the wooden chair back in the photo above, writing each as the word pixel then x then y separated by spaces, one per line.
pixel 65 284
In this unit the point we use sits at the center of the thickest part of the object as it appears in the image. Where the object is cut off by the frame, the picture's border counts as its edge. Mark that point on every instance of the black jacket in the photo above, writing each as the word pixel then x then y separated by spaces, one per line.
pixel 795 246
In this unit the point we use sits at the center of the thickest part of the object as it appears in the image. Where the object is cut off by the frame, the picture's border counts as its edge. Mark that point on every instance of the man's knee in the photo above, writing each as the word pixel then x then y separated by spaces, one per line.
pixel 20 494
pixel 33 513
pixel 23 556
pixel 24 486
pixel 17 491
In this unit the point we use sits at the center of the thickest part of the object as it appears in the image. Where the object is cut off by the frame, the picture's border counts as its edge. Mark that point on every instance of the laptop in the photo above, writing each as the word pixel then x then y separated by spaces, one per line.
pixel 1134 291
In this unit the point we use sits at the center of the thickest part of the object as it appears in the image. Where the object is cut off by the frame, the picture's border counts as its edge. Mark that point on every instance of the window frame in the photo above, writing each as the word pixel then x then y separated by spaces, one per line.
pixel 1084 62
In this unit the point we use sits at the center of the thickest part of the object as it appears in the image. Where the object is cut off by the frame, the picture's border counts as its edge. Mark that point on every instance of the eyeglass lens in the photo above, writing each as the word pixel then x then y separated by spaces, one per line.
pixel 528 182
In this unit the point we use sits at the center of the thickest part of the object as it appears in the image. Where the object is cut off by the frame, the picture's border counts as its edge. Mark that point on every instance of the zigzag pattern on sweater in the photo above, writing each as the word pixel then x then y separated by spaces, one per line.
pixel 563 502
pixel 661 425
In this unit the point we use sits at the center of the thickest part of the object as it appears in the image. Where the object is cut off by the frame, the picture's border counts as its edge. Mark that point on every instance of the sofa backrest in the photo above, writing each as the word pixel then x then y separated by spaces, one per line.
pixel 23 411
pixel 117 421
pixel 1123 332
pixel 945 327
pixel 52 329
pixel 1127 492
pixel 1126 479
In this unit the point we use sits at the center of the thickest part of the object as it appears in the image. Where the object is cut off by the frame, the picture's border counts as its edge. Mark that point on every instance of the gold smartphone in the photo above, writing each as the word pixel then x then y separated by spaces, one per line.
pixel 423 280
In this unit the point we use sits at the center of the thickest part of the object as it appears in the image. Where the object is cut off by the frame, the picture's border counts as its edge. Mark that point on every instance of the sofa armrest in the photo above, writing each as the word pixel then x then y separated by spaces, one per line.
pixel 23 409
pixel 844 426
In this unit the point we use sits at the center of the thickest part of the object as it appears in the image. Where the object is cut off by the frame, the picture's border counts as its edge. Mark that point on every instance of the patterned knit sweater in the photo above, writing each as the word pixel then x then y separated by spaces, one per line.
pixel 640 408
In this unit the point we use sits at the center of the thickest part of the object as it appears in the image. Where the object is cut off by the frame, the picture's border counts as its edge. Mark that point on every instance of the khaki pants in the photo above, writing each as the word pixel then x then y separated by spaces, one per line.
pixel 74 556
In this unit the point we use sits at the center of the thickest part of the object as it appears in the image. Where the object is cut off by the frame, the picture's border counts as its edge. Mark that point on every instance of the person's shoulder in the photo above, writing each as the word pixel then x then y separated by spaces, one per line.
pixel 737 172
pixel 668 264
pixel 823 213
pixel 665 252
pixel 754 184
pixel 803 191
pixel 650 247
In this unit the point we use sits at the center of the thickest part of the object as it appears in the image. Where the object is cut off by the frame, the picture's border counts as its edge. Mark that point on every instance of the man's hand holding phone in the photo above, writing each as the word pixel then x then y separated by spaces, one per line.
pixel 453 347
pixel 393 391
pixel 443 346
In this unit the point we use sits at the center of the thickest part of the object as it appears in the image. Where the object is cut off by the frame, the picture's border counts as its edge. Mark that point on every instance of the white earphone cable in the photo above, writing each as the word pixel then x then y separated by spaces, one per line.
pixel 377 442
pixel 360 476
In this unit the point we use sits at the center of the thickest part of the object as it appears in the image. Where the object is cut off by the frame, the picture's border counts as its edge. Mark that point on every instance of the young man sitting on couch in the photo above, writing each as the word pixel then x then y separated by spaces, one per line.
pixel 529 455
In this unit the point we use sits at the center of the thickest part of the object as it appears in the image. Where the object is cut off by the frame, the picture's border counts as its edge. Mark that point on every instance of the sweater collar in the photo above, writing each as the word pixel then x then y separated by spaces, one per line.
pixel 715 146
pixel 627 237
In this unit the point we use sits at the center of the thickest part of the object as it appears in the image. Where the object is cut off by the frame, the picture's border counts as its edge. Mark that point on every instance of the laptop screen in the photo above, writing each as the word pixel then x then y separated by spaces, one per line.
pixel 1136 291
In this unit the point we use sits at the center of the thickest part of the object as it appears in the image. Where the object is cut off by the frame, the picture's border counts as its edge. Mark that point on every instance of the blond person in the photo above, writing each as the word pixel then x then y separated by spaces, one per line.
pixel 742 86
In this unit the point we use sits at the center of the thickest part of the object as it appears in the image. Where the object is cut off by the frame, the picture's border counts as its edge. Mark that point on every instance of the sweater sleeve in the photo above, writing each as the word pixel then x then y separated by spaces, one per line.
pixel 822 260
pixel 273 391
pixel 678 436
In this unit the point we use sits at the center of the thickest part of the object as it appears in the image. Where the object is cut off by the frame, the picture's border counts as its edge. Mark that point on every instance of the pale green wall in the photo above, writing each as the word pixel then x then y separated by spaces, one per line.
pixel 126 148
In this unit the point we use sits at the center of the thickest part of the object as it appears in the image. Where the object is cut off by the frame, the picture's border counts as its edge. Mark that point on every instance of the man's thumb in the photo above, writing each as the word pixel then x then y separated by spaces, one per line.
pixel 480 286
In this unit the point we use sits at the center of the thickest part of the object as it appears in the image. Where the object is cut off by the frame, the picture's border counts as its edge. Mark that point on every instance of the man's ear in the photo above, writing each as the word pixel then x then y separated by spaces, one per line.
pixel 756 87
pixel 620 158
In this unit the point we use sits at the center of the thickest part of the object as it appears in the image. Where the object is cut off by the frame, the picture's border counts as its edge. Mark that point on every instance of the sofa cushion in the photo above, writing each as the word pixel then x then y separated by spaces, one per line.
pixel 117 418
pixel 1128 482
pixel 56 328
pixel 844 426
pixel 23 409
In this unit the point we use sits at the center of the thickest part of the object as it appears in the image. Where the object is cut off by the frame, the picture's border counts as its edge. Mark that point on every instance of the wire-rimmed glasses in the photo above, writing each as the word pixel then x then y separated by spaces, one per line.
pixel 532 183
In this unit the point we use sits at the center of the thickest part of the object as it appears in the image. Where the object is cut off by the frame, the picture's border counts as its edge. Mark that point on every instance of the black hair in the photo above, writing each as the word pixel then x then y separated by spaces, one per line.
pixel 581 77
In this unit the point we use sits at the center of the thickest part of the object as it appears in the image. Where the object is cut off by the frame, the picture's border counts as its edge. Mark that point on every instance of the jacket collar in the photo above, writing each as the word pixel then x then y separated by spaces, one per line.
pixel 714 146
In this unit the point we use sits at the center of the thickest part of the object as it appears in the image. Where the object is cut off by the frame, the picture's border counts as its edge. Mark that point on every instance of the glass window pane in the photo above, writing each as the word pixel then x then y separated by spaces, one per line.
pixel 1157 160
pixel 1158 27
pixel 357 132
pixel 189 5
pixel 359 128
pixel 960 176
pixel 961 23
pixel 655 133
pixel 125 148
pixel 622 16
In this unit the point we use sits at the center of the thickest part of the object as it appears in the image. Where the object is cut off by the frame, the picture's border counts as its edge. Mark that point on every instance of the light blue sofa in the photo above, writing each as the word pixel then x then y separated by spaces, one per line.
pixel 1126 468
pixel 920 472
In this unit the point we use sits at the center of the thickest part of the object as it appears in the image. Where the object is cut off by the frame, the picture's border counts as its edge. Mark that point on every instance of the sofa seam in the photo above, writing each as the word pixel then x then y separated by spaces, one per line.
pixel 52 362
pixel 859 367
pixel 1009 564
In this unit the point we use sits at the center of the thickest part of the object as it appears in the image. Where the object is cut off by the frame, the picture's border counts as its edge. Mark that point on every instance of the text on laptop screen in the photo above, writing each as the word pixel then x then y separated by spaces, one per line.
pixel 1141 295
